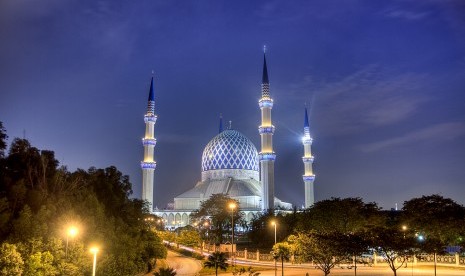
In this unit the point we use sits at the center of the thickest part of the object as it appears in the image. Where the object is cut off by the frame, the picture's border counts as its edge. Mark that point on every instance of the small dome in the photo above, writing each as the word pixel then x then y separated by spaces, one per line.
pixel 230 150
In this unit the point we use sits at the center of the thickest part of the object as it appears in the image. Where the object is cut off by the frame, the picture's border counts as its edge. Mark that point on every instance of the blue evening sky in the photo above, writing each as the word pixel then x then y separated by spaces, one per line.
pixel 384 83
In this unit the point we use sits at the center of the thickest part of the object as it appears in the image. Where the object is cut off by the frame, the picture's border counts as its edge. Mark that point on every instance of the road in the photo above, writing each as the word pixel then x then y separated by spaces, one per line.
pixel 184 266
pixel 366 271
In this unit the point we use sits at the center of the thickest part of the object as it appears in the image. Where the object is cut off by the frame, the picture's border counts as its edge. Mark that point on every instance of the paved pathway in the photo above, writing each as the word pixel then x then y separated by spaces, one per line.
pixel 184 266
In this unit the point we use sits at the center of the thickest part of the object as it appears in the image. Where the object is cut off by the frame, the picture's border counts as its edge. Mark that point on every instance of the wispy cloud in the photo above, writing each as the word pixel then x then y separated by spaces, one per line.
pixel 370 97
pixel 405 14
pixel 107 30
pixel 434 133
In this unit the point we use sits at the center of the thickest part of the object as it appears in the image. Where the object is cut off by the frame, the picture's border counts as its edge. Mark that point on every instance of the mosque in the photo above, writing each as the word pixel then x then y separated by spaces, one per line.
pixel 230 165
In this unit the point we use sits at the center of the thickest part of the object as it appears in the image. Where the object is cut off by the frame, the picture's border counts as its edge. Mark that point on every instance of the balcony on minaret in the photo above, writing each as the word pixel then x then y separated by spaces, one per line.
pixel 148 165
pixel 266 156
pixel 309 177
pixel 149 141
pixel 307 140
pixel 308 159
pixel 265 102
pixel 266 129
pixel 150 118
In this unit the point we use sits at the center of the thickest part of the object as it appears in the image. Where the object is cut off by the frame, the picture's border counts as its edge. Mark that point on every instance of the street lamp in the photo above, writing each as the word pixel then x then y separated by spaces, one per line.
pixel 71 232
pixel 206 226
pixel 404 228
pixel 275 267
pixel 94 250
pixel 232 206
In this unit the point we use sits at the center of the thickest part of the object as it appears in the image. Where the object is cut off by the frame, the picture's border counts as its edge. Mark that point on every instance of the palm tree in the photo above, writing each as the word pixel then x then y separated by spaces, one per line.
pixel 216 260
pixel 281 251
pixel 168 271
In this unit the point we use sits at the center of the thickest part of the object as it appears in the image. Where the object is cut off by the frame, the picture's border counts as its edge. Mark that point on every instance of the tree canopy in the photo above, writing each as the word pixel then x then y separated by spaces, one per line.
pixel 436 218
pixel 39 201
pixel 343 215
pixel 217 210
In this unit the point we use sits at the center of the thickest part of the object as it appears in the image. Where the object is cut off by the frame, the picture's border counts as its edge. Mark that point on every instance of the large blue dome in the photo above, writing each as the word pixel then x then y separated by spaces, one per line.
pixel 230 150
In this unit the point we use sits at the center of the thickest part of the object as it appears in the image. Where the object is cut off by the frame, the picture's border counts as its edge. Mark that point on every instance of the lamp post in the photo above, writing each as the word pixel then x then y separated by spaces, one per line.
pixel 404 228
pixel 274 224
pixel 232 206
pixel 94 250
pixel 71 232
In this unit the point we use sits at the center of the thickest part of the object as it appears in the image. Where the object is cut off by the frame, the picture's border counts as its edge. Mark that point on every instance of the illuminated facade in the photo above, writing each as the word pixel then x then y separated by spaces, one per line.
pixel 308 158
pixel 148 164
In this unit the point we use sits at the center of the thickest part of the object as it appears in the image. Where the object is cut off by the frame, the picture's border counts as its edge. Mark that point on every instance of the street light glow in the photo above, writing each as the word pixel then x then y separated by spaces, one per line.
pixel 232 205
pixel 72 231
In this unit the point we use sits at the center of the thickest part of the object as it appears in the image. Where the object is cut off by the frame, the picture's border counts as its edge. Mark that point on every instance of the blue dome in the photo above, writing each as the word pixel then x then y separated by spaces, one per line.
pixel 230 150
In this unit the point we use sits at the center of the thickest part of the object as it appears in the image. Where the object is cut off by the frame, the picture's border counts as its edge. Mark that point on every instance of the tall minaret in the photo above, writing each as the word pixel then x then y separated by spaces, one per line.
pixel 308 158
pixel 267 155
pixel 220 129
pixel 149 142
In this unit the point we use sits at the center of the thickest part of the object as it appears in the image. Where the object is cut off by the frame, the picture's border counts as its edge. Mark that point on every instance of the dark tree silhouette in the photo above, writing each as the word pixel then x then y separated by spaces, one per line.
pixel 216 260
pixel 216 209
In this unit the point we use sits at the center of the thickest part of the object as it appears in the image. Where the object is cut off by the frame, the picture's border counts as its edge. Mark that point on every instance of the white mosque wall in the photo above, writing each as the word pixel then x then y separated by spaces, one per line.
pixel 226 173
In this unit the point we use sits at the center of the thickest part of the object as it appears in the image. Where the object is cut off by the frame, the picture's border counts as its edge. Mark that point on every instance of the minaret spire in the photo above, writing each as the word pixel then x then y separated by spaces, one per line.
pixel 148 165
pixel 221 123
pixel 266 130
pixel 308 158
pixel 306 124
pixel 151 100
pixel 265 71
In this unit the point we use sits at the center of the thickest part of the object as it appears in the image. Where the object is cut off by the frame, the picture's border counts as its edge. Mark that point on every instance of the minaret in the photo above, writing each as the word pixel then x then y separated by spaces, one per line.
pixel 308 177
pixel 149 142
pixel 220 129
pixel 267 155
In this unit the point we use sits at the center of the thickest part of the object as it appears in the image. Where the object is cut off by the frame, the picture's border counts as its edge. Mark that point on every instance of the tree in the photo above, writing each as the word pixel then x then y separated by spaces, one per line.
pixel 342 215
pixel 355 244
pixel 5 215
pixel 323 248
pixel 392 245
pixel 282 251
pixel 11 262
pixel 167 236
pixel 429 214
pixel 190 238
pixel 261 229
pixel 217 210
pixel 40 264
pixel 216 260
pixel 38 200
pixel 3 138
pixel 168 271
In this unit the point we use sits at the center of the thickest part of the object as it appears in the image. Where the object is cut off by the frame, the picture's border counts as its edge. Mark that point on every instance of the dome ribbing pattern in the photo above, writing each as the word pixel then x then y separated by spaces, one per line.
pixel 230 150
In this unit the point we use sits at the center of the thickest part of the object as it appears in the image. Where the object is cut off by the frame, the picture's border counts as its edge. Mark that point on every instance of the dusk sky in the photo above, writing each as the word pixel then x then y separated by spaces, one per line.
pixel 384 82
